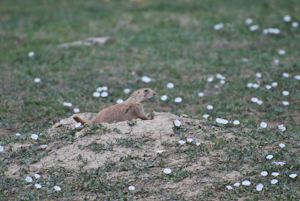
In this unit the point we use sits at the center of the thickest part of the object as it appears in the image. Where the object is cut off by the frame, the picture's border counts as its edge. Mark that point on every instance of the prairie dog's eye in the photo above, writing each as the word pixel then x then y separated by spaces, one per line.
pixel 145 90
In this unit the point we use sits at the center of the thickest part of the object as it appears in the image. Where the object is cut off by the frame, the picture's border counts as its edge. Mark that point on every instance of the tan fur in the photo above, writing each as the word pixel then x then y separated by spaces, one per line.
pixel 129 110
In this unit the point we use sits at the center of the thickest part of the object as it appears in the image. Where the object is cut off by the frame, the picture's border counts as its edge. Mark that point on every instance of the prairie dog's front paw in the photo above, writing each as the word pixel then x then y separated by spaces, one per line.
pixel 151 115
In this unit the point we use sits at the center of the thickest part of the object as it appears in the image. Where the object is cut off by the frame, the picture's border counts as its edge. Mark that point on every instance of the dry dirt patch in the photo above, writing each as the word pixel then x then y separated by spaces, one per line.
pixel 133 151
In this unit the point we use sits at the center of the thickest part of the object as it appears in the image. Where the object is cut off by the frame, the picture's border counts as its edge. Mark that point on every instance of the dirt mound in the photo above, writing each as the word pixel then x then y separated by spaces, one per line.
pixel 128 150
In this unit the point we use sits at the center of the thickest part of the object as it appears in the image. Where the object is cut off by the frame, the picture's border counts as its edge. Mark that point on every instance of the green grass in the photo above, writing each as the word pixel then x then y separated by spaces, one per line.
pixel 169 41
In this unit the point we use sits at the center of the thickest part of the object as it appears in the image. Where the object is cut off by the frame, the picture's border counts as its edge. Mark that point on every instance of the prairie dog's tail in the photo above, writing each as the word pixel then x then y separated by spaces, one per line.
pixel 78 119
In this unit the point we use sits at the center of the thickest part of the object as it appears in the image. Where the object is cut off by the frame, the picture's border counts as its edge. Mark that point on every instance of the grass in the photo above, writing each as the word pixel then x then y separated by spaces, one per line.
pixel 168 41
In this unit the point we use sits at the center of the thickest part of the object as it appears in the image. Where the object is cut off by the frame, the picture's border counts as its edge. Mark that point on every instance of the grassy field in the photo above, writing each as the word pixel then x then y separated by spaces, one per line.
pixel 170 41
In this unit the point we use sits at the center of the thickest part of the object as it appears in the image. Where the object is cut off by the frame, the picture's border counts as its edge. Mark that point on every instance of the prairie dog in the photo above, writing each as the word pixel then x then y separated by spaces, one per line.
pixel 130 109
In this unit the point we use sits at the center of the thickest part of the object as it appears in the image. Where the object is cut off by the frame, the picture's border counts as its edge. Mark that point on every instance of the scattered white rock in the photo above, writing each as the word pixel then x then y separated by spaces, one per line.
pixel 285 93
pixel 1 148
pixel 255 86
pixel 249 85
pixel 268 86
pixel 37 176
pixel 281 52
pixel 297 77
pixel 282 128
pixel 254 99
pixel 275 174
pixel 222 81
pixel 18 134
pixel 197 143
pixel 269 157
pixel 160 151
pixel 38 185
pixel 104 88
pixel 182 142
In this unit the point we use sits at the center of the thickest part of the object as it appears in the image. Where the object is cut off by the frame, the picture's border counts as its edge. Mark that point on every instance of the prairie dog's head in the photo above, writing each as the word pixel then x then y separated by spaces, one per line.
pixel 143 94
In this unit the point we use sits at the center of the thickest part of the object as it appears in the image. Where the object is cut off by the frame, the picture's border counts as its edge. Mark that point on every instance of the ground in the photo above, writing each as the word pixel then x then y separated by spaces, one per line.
pixel 207 46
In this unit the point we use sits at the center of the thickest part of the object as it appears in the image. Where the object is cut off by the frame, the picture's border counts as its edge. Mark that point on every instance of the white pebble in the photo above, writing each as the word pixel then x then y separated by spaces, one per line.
pixel 254 99
pixel 269 157
pixel 255 86
pixel 182 142
pixel 237 184
pixel 38 185
pixel 222 81
pixel 67 104
pixel 275 174
pixel 18 134
pixel 28 179
pixel 276 61
pixel 1 148
pixel 177 123
pixel 189 139
pixel 104 88
pixel 297 77
pixel 99 89
pixel 160 151
pixel 229 187
pixel 197 143
pixel 37 176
